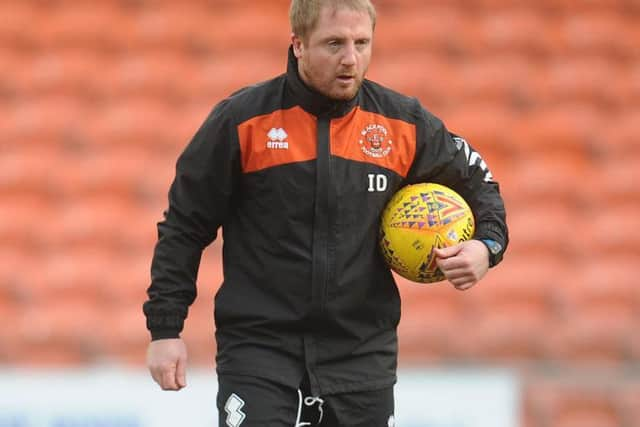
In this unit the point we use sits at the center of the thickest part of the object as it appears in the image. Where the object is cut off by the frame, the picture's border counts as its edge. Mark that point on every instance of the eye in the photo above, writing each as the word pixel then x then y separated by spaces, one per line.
pixel 362 43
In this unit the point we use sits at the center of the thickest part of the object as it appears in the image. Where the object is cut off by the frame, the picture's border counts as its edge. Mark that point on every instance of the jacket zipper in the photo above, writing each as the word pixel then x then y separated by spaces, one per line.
pixel 321 227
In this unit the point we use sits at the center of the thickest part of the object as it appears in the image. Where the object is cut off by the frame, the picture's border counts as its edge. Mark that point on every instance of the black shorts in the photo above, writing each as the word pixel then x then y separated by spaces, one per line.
pixel 245 401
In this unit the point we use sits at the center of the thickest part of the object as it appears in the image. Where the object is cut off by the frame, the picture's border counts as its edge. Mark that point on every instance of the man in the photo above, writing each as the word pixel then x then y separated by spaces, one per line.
pixel 307 314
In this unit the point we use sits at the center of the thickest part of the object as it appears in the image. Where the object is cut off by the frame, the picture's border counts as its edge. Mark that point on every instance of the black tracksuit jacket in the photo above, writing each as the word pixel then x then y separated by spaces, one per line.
pixel 298 182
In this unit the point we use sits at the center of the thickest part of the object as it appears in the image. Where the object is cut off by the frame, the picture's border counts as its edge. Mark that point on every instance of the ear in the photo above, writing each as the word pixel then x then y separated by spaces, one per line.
pixel 297 44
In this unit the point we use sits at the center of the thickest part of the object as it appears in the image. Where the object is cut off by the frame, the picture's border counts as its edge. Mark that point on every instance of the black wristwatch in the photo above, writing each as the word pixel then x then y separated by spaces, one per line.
pixel 495 251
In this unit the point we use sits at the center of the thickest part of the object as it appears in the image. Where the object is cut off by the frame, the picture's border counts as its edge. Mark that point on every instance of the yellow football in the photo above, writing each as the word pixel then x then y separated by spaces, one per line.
pixel 418 218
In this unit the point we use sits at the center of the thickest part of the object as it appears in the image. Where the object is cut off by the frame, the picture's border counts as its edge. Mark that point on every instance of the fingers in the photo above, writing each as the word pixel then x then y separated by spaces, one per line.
pixel 461 279
pixel 464 282
pixel 167 360
pixel 157 374
pixel 458 272
pixel 181 373
pixel 453 263
pixel 464 264
pixel 165 376
pixel 447 252
pixel 464 286
pixel 168 379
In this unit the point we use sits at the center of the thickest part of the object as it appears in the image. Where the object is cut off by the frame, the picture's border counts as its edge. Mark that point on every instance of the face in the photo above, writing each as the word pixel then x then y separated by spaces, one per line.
pixel 335 56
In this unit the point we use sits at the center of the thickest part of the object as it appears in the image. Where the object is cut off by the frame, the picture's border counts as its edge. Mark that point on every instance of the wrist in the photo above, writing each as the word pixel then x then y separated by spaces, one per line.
pixel 495 250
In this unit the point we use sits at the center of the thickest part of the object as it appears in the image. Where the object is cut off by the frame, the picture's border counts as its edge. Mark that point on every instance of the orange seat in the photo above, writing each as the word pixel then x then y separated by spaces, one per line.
pixel 598 411
pixel 601 32
pixel 484 127
pixel 543 227
pixel 85 26
pixel 611 229
pixel 58 332
pixel 630 400
pixel 18 16
pixel 586 80
pixel 512 30
pixel 125 338
pixel 583 342
pixel 620 143
pixel 497 81
pixel 569 402
pixel 423 27
pixel 613 188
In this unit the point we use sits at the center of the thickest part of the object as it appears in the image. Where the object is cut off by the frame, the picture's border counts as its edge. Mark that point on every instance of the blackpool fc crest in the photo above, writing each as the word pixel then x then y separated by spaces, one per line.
pixel 374 141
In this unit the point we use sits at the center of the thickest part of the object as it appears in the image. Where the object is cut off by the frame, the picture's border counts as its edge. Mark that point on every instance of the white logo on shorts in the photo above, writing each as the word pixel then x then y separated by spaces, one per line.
pixel 233 407
pixel 392 421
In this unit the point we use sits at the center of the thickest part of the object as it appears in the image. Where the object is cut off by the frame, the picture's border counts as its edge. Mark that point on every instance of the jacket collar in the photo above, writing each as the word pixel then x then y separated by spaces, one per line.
pixel 311 100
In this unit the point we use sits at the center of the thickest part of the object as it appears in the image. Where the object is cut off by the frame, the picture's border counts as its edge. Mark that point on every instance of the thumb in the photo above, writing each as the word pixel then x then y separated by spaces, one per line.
pixel 447 252
pixel 181 372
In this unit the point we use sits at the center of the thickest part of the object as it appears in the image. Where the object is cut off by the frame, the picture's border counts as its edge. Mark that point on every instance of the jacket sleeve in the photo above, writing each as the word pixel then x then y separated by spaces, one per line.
pixel 447 159
pixel 199 202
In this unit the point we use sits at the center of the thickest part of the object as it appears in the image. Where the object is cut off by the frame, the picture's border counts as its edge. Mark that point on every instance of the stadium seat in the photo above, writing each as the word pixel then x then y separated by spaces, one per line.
pixel 574 403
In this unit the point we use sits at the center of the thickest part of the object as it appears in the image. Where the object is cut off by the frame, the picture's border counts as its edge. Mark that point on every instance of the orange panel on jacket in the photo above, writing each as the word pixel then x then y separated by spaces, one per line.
pixel 284 136
pixel 373 138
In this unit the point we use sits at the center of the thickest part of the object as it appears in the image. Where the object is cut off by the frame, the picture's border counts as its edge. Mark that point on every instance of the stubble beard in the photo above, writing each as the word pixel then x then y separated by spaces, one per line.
pixel 340 94
pixel 334 90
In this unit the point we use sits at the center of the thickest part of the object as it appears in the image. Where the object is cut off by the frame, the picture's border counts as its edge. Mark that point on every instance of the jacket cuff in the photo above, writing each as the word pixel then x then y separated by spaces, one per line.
pixel 492 236
pixel 490 231
pixel 163 327
pixel 161 334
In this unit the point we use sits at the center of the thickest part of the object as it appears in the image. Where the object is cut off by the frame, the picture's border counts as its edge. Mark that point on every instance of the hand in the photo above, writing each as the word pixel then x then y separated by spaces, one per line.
pixel 167 363
pixel 463 264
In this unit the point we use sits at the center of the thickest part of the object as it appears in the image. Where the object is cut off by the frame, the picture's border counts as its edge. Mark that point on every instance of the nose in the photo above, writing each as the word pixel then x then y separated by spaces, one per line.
pixel 349 55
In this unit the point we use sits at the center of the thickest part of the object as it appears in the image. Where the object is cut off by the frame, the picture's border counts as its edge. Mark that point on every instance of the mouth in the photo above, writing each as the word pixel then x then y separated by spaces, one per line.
pixel 346 78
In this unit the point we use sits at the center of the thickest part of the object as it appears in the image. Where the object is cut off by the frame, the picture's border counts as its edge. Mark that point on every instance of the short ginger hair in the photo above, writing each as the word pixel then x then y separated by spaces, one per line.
pixel 304 14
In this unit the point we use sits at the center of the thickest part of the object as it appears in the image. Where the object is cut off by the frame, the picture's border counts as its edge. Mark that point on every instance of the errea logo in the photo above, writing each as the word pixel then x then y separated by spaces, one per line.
pixel 277 139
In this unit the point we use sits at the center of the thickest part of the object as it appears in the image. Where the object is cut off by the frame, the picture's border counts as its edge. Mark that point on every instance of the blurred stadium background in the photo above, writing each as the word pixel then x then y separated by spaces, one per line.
pixel 98 98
